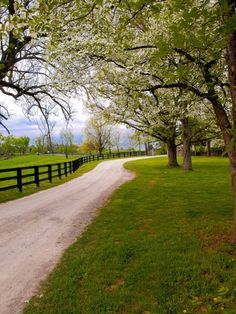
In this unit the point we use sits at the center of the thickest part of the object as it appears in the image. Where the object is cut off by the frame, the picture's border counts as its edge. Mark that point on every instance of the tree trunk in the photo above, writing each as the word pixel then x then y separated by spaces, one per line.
pixel 187 158
pixel 146 148
pixel 49 141
pixel 231 146
pixel 66 152
pixel 208 148
pixel 233 178
pixel 227 129
pixel 171 151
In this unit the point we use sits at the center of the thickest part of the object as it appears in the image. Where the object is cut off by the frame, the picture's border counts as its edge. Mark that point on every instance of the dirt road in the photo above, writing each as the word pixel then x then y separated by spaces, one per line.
pixel 35 230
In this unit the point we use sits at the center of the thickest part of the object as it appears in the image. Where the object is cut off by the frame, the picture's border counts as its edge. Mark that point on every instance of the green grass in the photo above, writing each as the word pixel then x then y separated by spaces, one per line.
pixel 34 160
pixel 161 245
pixel 31 160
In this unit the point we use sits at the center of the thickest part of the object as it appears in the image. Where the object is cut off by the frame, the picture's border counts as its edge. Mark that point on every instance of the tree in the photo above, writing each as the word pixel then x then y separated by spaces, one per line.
pixel 12 144
pixel 153 114
pixel 22 144
pixel 67 138
pixel 160 52
pixel 129 102
pixel 87 147
pixel 182 53
pixel 39 144
pixel 7 145
pixel 204 130
pixel 98 134
pixel 46 125
pixel 25 73
pixel 228 129
pixel 116 139
pixel 4 115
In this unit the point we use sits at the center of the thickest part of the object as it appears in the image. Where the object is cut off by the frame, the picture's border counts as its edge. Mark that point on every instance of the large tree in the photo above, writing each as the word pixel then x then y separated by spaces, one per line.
pixel 165 45
pixel 182 44
pixel 128 68
pixel 147 113
pixel 25 72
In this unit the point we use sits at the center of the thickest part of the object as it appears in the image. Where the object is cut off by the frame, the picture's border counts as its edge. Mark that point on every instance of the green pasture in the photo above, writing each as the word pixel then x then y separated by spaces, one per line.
pixel 34 160
pixel 31 160
pixel 163 244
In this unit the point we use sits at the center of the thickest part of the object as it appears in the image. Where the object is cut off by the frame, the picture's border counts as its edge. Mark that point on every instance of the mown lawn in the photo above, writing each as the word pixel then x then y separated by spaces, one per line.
pixel 34 160
pixel 31 160
pixel 161 245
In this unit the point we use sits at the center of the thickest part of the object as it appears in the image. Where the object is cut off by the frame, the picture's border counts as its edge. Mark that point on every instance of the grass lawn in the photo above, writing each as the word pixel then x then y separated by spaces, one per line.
pixel 34 160
pixel 161 245
pixel 31 160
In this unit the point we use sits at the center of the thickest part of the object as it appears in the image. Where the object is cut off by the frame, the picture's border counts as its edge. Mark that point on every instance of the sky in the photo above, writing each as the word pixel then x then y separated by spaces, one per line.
pixel 19 125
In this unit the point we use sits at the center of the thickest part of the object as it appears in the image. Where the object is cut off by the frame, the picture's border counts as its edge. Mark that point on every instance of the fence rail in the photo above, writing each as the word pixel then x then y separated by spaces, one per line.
pixel 23 176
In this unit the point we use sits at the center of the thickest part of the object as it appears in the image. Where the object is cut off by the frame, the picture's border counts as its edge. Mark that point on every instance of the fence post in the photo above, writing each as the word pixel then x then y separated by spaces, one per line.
pixel 59 171
pixel 70 166
pixel 65 168
pixel 19 179
pixel 50 173
pixel 76 164
pixel 36 175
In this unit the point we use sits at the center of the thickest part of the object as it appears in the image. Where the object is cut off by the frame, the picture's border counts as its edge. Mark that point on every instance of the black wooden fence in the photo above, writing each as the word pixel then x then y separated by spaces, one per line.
pixel 22 176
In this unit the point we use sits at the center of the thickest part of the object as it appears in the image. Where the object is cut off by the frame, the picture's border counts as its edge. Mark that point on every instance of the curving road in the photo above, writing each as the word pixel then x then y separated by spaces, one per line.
pixel 35 230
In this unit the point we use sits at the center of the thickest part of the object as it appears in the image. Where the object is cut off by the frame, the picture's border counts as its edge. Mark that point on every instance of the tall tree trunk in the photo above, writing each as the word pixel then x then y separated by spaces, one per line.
pixel 231 62
pixel 172 154
pixel 227 129
pixel 229 140
pixel 187 158
pixel 49 138
pixel 208 148
pixel 146 148
pixel 66 151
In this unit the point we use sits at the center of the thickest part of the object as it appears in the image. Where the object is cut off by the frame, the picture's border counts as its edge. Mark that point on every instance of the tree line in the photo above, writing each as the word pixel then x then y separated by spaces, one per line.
pixel 98 137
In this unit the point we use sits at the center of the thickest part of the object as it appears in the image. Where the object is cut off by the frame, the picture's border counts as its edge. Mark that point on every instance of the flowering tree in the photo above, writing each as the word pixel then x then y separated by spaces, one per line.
pixel 131 58
pixel 159 45
pixel 25 72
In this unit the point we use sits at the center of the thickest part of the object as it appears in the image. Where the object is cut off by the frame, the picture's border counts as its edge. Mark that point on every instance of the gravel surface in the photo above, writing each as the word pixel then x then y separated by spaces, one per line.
pixel 35 230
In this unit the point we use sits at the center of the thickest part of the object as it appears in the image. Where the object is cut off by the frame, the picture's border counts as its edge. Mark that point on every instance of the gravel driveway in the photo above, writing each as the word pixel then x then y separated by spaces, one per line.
pixel 35 230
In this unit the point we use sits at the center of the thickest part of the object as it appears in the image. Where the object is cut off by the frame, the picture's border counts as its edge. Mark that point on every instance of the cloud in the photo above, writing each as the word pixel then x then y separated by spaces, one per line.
pixel 19 125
